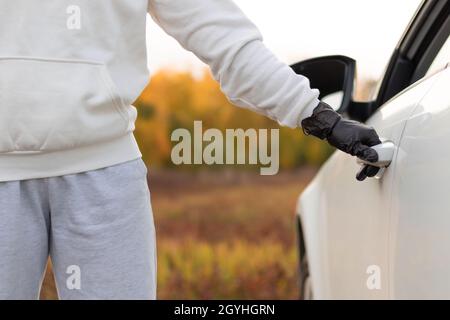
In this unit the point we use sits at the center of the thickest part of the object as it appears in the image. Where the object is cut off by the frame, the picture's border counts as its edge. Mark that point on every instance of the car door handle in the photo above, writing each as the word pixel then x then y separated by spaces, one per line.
pixel 385 151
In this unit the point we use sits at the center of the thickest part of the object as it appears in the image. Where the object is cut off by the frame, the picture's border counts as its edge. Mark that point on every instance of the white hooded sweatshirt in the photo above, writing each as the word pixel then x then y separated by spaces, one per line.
pixel 70 70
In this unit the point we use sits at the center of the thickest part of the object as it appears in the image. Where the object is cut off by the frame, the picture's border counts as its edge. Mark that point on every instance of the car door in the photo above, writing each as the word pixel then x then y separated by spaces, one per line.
pixel 420 215
pixel 356 233
pixel 410 203
pixel 350 221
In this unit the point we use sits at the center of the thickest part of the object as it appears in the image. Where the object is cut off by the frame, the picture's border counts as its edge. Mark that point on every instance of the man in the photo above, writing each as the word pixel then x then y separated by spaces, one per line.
pixel 73 185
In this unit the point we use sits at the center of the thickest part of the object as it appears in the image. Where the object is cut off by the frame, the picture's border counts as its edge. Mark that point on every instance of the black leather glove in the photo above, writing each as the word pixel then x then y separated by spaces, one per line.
pixel 348 136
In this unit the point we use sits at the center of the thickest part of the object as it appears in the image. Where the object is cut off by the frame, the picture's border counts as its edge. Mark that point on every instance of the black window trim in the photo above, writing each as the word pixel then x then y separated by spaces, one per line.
pixel 416 50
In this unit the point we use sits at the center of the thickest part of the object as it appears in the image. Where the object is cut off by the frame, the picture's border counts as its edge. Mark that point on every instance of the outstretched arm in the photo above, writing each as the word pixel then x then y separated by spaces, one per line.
pixel 250 75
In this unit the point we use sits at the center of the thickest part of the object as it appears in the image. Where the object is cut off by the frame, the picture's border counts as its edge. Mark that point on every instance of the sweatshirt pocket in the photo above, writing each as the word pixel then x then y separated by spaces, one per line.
pixel 48 105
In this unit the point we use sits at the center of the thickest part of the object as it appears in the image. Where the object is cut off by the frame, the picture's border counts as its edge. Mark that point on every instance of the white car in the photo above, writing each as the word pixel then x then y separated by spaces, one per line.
pixel 386 237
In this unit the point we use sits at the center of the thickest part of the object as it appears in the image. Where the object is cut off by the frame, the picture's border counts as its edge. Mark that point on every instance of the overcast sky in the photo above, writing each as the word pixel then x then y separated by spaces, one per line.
pixel 365 30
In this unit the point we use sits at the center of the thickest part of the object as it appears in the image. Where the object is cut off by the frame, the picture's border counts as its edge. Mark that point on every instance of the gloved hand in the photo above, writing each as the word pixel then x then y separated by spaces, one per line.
pixel 348 136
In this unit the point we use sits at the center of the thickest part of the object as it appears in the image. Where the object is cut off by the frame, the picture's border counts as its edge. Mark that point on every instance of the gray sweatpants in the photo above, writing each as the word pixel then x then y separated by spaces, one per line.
pixel 96 226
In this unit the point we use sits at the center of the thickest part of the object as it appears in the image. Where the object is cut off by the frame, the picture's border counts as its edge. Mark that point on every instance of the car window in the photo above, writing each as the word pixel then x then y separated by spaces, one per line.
pixel 442 58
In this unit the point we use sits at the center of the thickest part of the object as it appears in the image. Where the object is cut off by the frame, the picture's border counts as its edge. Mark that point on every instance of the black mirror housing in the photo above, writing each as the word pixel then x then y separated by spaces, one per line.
pixel 330 75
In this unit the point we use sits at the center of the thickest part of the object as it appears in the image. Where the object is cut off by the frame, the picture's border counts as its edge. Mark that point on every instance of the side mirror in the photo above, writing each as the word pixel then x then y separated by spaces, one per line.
pixel 334 77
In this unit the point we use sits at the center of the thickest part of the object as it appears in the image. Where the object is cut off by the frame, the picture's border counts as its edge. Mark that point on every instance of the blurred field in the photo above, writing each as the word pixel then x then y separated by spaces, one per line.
pixel 224 235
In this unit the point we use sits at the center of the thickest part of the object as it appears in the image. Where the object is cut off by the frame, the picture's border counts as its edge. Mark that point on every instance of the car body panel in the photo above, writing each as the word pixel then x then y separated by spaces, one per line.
pixel 346 223
pixel 420 228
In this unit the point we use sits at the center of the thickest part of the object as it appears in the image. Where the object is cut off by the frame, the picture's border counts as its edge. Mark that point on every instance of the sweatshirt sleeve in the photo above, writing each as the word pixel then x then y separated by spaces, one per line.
pixel 250 75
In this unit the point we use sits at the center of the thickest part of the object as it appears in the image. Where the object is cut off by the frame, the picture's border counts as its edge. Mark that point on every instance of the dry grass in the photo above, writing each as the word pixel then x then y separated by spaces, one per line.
pixel 224 235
